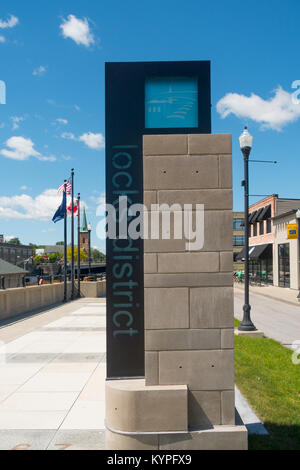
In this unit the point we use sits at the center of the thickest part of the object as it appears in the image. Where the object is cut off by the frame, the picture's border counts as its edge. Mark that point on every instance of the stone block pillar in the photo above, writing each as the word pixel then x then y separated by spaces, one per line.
pixel 189 315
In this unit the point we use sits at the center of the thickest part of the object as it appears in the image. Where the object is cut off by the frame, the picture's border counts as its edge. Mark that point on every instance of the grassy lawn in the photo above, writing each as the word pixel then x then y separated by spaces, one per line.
pixel 270 381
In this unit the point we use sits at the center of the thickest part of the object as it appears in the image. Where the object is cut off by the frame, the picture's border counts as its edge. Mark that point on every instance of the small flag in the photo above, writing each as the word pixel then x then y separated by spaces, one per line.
pixel 61 189
pixel 75 208
pixel 61 211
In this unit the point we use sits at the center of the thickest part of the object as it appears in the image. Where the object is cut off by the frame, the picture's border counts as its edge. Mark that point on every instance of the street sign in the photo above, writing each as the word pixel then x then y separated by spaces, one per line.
pixel 141 98
pixel 292 231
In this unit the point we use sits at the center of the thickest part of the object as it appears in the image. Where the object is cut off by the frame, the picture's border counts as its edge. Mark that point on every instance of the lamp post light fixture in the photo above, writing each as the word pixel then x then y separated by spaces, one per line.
pixel 89 230
pixel 246 145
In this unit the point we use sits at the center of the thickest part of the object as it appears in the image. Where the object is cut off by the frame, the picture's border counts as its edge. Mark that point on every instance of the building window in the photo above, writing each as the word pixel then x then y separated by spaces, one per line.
pixel 238 240
pixel 237 224
pixel 269 226
pixel 261 227
pixel 284 265
pixel 254 230
pixel 83 240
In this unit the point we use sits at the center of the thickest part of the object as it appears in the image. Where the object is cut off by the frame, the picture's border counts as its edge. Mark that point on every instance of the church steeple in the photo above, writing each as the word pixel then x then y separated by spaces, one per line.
pixel 84 225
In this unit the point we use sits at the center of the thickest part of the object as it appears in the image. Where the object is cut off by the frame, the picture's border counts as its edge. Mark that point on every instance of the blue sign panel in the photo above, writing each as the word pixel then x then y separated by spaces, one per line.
pixel 171 102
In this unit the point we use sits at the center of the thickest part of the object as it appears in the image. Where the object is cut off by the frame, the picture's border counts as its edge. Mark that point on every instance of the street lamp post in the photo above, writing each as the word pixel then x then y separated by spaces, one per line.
pixel 89 230
pixel 246 144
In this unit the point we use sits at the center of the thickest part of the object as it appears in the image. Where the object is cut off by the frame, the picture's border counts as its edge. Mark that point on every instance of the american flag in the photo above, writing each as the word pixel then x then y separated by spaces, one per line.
pixel 61 189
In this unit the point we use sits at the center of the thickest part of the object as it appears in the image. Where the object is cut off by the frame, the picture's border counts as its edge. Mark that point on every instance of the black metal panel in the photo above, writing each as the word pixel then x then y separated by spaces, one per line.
pixel 125 127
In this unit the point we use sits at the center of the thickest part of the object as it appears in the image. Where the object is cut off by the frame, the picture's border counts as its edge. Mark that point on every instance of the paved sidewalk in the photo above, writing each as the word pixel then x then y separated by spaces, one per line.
pixel 52 379
pixel 273 292
pixel 278 319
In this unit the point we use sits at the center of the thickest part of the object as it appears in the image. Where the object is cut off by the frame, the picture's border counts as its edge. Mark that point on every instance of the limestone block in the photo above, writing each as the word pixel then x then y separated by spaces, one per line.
pixel 151 368
pixel 166 308
pixel 172 340
pixel 165 144
pixel 114 441
pixel 225 171
pixel 200 370
pixel 228 409
pixel 213 199
pixel 181 172
pixel 133 407
pixel 188 262
pixel 150 263
pixel 211 307
pixel 226 261
pixel 204 408
pixel 204 144
pixel 218 230
pixel 189 280
pixel 227 338
pixel 217 438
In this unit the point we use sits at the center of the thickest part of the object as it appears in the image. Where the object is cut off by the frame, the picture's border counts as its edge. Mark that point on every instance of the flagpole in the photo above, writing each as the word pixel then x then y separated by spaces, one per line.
pixel 72 237
pixel 78 249
pixel 65 248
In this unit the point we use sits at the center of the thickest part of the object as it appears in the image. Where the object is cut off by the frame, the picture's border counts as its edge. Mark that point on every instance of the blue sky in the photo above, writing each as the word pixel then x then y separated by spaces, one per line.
pixel 53 67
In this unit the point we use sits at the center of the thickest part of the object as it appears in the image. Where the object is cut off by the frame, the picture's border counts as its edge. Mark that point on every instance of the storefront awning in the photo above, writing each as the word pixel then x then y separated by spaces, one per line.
pixel 251 216
pixel 257 215
pixel 266 214
pixel 255 252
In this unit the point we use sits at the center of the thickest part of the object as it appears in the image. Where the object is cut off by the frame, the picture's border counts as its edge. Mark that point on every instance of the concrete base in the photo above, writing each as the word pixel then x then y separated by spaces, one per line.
pixel 252 334
pixel 141 417
pixel 215 438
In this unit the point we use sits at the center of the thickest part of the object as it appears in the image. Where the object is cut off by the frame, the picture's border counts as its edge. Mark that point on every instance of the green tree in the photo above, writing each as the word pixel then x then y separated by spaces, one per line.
pixel 97 256
pixel 83 255
pixel 14 241
pixel 59 243
pixel 54 257
pixel 39 260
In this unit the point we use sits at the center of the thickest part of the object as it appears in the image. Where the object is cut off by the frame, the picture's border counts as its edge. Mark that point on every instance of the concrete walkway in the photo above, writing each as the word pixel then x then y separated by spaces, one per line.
pixel 276 293
pixel 52 376
pixel 278 319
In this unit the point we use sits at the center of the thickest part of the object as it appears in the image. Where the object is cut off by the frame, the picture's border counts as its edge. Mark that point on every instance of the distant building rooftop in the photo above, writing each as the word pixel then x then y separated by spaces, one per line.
pixel 8 268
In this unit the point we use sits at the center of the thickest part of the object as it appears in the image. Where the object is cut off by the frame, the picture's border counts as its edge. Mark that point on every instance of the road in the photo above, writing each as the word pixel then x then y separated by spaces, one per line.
pixel 277 319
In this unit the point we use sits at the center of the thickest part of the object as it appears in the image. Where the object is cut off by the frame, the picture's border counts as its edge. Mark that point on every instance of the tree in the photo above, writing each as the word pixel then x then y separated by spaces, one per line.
pixel 97 256
pixel 14 241
pixel 83 255
pixel 59 243
pixel 39 260
pixel 54 257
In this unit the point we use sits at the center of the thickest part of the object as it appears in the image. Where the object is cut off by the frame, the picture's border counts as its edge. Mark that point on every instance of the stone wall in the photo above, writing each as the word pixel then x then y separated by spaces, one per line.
pixel 188 294
pixel 20 301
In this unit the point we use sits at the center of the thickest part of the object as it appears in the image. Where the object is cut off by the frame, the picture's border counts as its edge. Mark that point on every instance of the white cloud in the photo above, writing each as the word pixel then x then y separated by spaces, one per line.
pixel 2 39
pixel 66 157
pixel 68 136
pixel 20 148
pixel 16 120
pixel 10 237
pixel 41 207
pixel 273 113
pixel 10 23
pixel 94 141
pixel 98 199
pixel 24 188
pixel 78 30
pixel 62 121
pixel 41 70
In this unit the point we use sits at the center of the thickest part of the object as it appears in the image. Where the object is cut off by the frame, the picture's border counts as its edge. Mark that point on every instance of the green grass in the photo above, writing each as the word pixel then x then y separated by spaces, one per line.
pixel 270 381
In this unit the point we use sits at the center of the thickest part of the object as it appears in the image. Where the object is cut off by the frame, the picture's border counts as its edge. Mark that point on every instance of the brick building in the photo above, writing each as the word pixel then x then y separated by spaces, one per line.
pixel 15 254
pixel 263 246
pixel 85 234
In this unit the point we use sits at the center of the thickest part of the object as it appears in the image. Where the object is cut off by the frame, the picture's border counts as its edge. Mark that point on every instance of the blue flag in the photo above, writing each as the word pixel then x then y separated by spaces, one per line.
pixel 61 211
